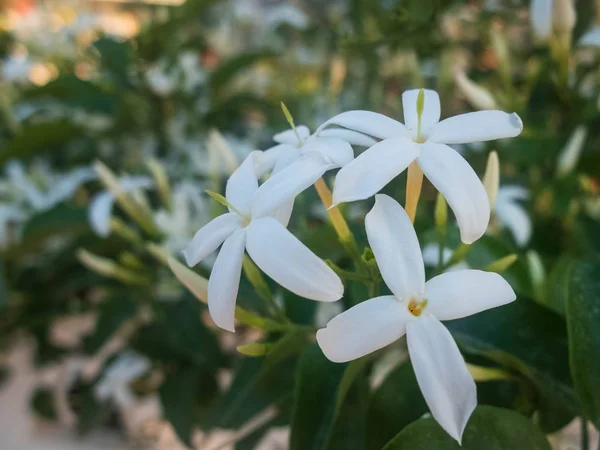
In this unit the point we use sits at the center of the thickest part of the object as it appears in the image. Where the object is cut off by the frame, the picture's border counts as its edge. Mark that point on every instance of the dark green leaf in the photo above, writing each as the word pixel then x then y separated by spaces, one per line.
pixel 36 138
pixel 115 58
pixel 112 313
pixel 395 404
pixel 321 388
pixel 42 402
pixel 233 66
pixel 489 428
pixel 178 397
pixel 583 319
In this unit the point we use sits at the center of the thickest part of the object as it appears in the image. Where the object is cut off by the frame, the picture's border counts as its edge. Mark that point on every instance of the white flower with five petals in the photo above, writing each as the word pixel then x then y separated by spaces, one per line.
pixel 415 309
pixel 255 224
pixel 424 139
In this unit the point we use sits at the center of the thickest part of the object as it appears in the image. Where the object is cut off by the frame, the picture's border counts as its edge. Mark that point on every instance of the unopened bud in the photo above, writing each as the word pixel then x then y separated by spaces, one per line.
pixel 162 182
pixel 476 95
pixel 255 349
pixel 569 157
pixel 491 178
pixel 441 211
pixel 500 265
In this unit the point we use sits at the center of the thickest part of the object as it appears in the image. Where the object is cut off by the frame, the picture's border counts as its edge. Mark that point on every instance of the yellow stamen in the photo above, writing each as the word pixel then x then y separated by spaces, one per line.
pixel 414 182
pixel 416 308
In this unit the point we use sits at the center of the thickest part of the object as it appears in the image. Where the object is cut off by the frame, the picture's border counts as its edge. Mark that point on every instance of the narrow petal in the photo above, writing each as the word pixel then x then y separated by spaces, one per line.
pixel 286 184
pixel 442 374
pixel 224 281
pixel 476 126
pixel 591 37
pixel 336 151
pixel 431 109
pixel 100 213
pixel 286 159
pixel 460 185
pixel 514 217
pixel 284 213
pixel 396 248
pixel 242 185
pixel 209 237
pixel 512 193
pixel 370 171
pixel 462 293
pixel 541 17
pixel 289 137
pixel 371 123
pixel 352 137
pixel 290 263
pixel 364 328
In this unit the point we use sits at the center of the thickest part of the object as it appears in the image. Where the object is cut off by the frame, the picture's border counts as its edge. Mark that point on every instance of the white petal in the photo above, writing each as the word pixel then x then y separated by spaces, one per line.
pixel 336 151
pixel 371 123
pixel 289 137
pixel 290 263
pixel 209 237
pixel 461 187
pixel 431 254
pixel 133 182
pixel 462 293
pixel 541 17
pixel 431 109
pixel 514 217
pixel 100 213
pixel 476 127
pixel 283 214
pixel 592 37
pixel 287 159
pixel 352 137
pixel 265 161
pixel 286 184
pixel 370 171
pixel 363 329
pixel 442 374
pixel 224 281
pixel 396 248
pixel 242 185
pixel 510 193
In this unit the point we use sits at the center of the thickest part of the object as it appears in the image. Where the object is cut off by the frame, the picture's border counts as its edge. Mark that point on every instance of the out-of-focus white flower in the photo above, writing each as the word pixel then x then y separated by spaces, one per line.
pixel 193 73
pixel 548 16
pixel 16 69
pixel 423 139
pixel 180 224
pixel 569 157
pixel 476 95
pixel 114 384
pixel 591 37
pixel 101 206
pixel 512 214
pixel 431 254
pixel 257 223
pixel 415 309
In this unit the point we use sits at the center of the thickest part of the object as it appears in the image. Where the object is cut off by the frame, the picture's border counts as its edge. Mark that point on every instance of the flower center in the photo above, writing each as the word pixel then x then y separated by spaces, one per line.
pixel 416 307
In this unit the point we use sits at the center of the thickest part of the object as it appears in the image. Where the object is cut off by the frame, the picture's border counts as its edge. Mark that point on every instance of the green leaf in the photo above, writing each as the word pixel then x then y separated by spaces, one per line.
pixel 4 299
pixel 112 313
pixel 42 402
pixel 36 138
pixel 321 388
pixel 396 403
pixel 583 318
pixel 178 396
pixel 233 66
pixel 115 57
pixel 556 286
pixel 489 428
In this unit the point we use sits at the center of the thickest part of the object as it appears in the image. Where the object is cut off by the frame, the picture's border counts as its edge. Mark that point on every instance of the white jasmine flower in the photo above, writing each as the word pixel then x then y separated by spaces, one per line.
pixel 101 206
pixel 416 308
pixel 591 37
pixel 423 139
pixel 254 224
pixel 114 383
pixel 511 214
pixel 161 78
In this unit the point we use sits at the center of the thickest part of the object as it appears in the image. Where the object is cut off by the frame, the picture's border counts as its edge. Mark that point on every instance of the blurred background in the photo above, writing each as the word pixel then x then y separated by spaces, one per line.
pixel 100 346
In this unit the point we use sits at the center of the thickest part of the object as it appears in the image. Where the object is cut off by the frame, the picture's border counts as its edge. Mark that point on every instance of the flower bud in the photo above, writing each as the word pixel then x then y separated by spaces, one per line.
pixel 162 182
pixel 500 265
pixel 563 16
pixel 476 95
pixel 491 178
pixel 255 349
pixel 569 157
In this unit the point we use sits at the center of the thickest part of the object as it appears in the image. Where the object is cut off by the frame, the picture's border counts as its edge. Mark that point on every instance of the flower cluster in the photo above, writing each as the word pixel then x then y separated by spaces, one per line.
pixel 259 214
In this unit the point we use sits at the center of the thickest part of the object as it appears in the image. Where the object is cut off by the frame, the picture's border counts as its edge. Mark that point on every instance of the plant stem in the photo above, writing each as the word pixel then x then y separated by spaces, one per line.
pixel 585 438
pixel 414 182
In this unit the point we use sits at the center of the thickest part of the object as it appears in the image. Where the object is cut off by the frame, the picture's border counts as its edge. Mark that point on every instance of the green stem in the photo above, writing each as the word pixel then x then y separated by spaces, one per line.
pixel 585 438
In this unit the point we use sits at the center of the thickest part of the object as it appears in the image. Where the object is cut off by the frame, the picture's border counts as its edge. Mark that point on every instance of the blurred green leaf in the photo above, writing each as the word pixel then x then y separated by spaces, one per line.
pixel 115 57
pixel 583 319
pixel 178 397
pixel 112 313
pixel 321 388
pixel 37 138
pixel 489 428
pixel 42 403
pixel 230 68
pixel 396 403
